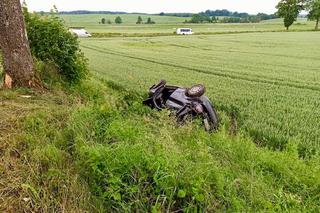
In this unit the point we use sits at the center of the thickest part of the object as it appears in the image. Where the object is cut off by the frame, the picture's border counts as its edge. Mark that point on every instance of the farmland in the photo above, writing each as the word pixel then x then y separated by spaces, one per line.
pixel 167 25
pixel 270 79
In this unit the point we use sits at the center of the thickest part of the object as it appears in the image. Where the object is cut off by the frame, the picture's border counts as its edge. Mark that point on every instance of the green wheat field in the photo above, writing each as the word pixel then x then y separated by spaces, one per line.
pixel 270 79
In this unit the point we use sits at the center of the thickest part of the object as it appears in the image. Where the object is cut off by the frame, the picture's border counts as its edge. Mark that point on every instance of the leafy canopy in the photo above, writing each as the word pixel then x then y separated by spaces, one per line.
pixel 52 43
pixel 314 11
pixel 149 21
pixel 118 20
pixel 139 21
pixel 289 10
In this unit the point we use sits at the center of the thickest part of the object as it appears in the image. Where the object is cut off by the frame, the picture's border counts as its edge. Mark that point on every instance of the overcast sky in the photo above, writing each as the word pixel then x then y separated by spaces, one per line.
pixel 155 6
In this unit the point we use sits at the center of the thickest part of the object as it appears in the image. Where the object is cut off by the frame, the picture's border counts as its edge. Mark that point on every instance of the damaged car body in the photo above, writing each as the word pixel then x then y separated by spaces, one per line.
pixel 184 102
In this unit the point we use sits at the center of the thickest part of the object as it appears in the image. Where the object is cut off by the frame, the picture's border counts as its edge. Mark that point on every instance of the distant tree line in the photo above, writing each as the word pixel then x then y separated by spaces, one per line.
pixel 208 14
pixel 223 13
pixel 250 19
pixel 207 17
pixel 118 20
pixel 82 12
pixel 176 14
pixel 149 21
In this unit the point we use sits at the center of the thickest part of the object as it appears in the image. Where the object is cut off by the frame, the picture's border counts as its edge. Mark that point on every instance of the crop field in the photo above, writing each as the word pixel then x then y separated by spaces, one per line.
pixel 269 80
pixel 167 24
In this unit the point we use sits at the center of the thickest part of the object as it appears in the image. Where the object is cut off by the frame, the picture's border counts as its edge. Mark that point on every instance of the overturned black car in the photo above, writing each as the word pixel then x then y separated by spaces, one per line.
pixel 185 103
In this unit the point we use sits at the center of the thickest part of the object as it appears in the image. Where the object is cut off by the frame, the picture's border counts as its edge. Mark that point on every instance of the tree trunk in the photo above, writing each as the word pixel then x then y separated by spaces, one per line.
pixel 17 59
pixel 317 24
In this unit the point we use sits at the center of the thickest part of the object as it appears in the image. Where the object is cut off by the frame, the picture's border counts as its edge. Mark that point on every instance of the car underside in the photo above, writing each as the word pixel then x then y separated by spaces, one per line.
pixel 184 103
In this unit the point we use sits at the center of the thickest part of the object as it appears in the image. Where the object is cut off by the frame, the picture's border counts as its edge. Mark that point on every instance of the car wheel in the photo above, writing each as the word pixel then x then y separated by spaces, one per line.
pixel 211 121
pixel 196 91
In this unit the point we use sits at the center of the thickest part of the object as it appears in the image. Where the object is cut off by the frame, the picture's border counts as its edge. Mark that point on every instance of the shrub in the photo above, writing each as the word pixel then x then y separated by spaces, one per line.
pixel 118 20
pixel 51 42
pixel 149 21
pixel 139 21
pixel 198 18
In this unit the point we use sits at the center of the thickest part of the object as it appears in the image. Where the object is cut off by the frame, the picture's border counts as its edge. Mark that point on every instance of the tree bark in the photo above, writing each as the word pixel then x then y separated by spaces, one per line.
pixel 317 23
pixel 17 59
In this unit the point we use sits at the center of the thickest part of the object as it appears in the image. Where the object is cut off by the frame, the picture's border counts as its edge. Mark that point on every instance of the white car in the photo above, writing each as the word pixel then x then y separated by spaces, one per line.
pixel 80 32
pixel 184 31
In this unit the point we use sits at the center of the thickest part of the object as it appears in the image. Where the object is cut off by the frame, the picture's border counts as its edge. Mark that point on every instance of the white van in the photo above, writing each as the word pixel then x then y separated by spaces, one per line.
pixel 80 32
pixel 184 31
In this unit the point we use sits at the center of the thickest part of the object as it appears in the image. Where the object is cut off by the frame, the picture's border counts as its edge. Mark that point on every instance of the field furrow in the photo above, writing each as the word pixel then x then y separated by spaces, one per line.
pixel 227 73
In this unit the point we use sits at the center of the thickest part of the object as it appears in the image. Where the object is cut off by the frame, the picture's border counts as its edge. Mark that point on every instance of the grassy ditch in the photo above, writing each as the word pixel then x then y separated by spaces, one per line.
pixel 96 148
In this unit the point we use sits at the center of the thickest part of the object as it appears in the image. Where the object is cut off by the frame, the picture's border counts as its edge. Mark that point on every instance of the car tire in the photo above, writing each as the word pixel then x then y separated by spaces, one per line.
pixel 196 91
pixel 210 116
pixel 211 121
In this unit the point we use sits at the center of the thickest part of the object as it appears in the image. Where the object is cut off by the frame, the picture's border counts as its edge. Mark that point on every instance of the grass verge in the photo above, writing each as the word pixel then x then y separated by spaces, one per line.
pixel 95 148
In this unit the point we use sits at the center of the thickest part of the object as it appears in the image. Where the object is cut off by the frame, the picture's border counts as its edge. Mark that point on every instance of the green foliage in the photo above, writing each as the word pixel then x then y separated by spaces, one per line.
pixel 49 74
pixel 314 11
pixel 249 19
pixel 203 18
pixel 199 18
pixel 149 21
pixel 103 20
pixel 289 10
pixel 51 42
pixel 118 20
pixel 214 19
pixel 139 21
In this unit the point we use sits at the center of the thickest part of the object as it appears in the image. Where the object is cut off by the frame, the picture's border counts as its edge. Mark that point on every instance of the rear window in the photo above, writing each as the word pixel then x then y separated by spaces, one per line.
pixel 185 30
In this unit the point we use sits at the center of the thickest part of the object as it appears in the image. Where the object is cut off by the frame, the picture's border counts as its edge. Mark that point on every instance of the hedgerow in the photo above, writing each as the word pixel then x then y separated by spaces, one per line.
pixel 52 43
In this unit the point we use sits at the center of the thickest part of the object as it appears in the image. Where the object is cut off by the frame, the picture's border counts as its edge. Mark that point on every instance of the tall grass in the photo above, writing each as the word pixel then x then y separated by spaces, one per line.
pixel 134 159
